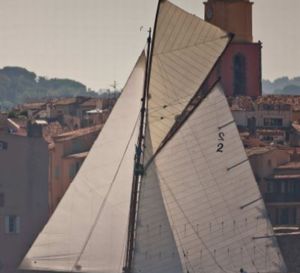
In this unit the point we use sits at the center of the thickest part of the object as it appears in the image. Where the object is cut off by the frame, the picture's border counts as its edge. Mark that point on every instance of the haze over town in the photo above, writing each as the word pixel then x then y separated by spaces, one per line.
pixel 97 42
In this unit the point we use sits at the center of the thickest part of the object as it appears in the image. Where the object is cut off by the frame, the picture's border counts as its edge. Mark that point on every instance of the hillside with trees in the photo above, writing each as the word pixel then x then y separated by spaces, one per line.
pixel 282 86
pixel 18 85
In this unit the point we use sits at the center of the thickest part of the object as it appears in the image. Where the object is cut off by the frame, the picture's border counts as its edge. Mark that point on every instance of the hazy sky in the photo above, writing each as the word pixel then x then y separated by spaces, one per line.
pixel 98 41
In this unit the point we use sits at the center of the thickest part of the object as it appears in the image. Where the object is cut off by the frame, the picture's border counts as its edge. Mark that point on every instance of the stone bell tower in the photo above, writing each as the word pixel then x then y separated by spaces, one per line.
pixel 240 66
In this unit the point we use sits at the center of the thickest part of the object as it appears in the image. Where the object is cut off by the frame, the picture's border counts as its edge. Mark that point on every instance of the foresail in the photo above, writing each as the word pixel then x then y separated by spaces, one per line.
pixel 87 232
pixel 184 52
pixel 213 204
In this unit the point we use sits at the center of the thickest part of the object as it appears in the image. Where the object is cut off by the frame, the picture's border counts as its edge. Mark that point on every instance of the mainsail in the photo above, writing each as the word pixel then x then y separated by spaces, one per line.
pixel 216 219
pixel 87 232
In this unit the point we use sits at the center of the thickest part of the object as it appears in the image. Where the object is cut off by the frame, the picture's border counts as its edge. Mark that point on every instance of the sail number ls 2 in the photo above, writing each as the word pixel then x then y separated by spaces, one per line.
pixel 221 140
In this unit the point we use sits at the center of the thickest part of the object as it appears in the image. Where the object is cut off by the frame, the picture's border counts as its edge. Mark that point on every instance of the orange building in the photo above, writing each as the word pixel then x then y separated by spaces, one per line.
pixel 240 66
pixel 66 154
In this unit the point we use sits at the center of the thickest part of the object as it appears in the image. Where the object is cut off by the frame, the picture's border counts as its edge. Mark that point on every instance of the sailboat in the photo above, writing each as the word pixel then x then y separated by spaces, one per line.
pixel 167 186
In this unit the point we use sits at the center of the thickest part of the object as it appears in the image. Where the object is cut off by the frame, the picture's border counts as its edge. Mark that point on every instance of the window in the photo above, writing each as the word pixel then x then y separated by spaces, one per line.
pixel 284 216
pixel 291 187
pixel 2 200
pixel 273 122
pixel 3 145
pixel 284 187
pixel 12 224
pixel 239 75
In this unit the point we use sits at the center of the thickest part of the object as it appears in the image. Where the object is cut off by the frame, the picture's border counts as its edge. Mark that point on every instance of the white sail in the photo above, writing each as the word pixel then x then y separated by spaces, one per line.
pixel 87 232
pixel 155 247
pixel 184 52
pixel 218 219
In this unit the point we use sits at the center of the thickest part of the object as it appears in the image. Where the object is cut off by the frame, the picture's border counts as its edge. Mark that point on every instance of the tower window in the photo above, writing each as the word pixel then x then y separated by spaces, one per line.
pixel 239 74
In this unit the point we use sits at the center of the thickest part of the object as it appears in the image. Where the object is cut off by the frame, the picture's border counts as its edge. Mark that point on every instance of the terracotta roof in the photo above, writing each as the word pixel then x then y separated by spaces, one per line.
pixel 92 102
pixel 65 101
pixel 51 130
pixel 259 150
pixel 242 103
pixel 294 101
pixel 274 132
pixel 252 142
pixel 33 105
pixel 68 101
pixel 77 133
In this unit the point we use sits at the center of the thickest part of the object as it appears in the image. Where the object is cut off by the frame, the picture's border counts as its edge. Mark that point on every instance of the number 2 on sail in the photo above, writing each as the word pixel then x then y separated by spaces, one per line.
pixel 220 145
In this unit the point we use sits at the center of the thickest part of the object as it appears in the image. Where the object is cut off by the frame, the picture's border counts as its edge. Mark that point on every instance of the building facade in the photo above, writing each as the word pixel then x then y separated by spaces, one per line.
pixel 66 154
pixel 23 196
pixel 240 66
pixel 37 164
pixel 278 180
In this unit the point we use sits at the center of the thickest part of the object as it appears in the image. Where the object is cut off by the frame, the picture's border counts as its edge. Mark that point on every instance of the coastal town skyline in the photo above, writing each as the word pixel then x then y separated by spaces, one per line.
pixel 97 42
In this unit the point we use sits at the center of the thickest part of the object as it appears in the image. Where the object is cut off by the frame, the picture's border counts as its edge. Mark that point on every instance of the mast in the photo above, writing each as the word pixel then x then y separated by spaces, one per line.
pixel 138 163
